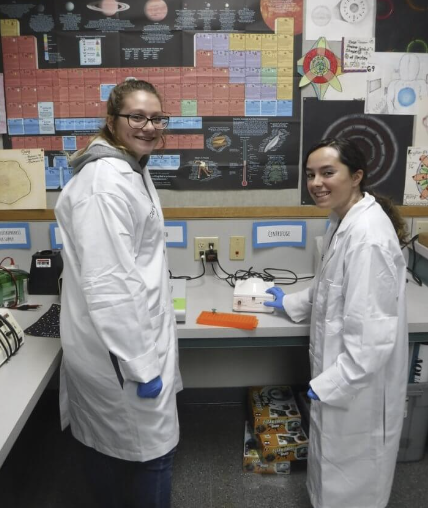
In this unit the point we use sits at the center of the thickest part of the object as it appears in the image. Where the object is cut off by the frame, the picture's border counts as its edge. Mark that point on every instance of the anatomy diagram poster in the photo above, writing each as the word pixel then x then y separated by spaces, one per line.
pixel 416 189
pixel 383 138
pixel 225 72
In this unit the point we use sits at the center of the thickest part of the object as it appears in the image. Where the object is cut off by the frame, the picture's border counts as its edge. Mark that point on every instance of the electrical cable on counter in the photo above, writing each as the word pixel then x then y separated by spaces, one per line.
pixel 412 270
pixel 265 275
pixel 188 277
pixel 242 274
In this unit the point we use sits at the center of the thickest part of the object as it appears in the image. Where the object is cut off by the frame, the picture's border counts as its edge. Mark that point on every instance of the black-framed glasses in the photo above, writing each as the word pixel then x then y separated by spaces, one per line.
pixel 137 121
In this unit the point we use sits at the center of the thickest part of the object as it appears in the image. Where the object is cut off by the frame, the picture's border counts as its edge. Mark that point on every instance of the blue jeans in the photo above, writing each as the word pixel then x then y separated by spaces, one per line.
pixel 121 483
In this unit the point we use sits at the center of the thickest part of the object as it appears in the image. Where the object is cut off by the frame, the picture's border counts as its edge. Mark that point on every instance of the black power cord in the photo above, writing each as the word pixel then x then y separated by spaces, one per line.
pixel 265 275
pixel 188 277
pixel 231 278
pixel 412 270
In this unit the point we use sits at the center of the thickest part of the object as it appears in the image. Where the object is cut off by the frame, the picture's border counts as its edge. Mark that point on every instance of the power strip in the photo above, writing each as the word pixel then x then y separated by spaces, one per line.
pixel 11 335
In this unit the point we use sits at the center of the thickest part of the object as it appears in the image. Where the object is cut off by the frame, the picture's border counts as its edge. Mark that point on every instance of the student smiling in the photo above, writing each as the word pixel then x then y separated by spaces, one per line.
pixel 358 337
pixel 119 375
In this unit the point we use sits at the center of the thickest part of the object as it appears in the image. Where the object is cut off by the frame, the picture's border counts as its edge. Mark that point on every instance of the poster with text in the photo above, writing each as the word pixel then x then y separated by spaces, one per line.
pixel 225 71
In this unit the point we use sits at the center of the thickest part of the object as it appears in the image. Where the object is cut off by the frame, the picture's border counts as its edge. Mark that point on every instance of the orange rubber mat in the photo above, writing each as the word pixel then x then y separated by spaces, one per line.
pixel 229 320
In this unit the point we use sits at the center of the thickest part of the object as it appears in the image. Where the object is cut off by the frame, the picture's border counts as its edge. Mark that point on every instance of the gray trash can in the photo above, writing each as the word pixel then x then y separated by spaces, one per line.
pixel 415 426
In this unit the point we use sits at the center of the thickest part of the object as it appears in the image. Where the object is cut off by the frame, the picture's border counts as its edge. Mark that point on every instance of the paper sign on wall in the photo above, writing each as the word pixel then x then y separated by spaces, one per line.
pixel 279 233
pixel 55 235
pixel 15 235
pixel 176 234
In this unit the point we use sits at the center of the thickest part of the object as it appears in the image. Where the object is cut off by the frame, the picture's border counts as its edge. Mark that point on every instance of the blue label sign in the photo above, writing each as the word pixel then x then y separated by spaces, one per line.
pixel 176 234
pixel 15 235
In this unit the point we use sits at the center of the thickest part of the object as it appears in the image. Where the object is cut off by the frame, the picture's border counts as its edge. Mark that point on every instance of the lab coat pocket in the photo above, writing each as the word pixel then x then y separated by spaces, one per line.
pixel 159 324
pixel 334 310
pixel 349 428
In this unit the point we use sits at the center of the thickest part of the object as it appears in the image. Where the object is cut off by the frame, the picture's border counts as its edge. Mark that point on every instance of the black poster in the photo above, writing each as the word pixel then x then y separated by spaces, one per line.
pixel 225 71
pixel 401 26
pixel 383 138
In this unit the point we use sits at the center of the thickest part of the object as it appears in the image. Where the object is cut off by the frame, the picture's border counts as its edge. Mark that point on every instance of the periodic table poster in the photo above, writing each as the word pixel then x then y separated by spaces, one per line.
pixel 225 70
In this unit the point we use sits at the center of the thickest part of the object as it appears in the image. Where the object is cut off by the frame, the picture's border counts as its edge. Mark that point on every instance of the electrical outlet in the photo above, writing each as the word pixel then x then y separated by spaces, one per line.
pixel 237 247
pixel 421 226
pixel 202 243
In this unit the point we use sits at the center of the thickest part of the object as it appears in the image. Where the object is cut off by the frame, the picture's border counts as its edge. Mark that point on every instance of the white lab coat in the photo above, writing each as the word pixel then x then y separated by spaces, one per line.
pixel 116 299
pixel 358 355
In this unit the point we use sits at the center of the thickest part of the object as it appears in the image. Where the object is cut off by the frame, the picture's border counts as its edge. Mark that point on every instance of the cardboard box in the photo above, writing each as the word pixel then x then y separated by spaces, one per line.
pixel 284 447
pixel 273 409
pixel 253 461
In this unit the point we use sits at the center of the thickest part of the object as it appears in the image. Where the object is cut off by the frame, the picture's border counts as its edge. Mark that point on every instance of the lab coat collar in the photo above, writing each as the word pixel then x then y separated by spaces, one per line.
pixel 338 227
pixel 359 207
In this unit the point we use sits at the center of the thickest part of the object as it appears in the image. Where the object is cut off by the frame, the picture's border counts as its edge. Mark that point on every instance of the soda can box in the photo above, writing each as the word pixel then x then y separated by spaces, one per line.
pixel 253 461
pixel 284 447
pixel 273 409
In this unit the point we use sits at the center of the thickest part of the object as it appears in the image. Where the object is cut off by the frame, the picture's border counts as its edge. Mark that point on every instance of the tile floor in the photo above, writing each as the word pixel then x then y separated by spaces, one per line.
pixel 42 469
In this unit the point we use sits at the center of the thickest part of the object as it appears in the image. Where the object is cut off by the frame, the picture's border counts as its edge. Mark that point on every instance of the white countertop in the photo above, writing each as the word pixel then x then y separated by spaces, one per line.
pixel 24 377
pixel 210 293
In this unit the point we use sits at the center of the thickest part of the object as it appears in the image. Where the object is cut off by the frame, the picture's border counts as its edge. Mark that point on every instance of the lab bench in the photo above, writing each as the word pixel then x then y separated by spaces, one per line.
pixel 24 378
pixel 210 293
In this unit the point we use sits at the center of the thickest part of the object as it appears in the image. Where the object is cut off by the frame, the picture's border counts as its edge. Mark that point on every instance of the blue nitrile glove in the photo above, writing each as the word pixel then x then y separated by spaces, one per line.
pixel 151 389
pixel 312 395
pixel 279 294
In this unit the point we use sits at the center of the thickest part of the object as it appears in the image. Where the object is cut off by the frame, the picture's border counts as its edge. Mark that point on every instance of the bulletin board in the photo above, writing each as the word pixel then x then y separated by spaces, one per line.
pixel 232 77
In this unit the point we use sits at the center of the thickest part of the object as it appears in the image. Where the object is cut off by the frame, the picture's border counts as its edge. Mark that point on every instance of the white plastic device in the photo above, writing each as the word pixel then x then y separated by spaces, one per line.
pixel 178 293
pixel 11 335
pixel 249 295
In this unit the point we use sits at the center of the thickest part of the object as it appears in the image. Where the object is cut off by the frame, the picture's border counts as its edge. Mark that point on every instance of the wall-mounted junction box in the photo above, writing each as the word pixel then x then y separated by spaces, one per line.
pixel 202 243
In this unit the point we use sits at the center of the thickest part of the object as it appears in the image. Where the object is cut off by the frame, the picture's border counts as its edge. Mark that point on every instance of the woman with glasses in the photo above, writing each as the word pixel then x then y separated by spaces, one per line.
pixel 119 374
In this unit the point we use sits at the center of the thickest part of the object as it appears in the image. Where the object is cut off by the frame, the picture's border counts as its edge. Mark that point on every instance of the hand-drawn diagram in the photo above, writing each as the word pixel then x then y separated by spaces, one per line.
pixel 421 177
pixel 416 189
pixel 320 68
pixel 339 18
pixel 396 83
pixel 14 182
pixel 22 179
